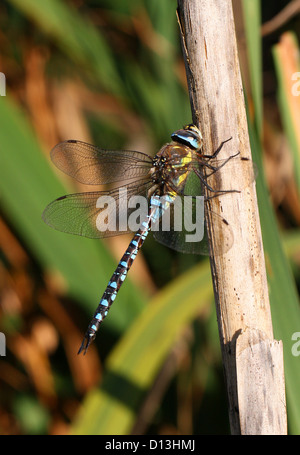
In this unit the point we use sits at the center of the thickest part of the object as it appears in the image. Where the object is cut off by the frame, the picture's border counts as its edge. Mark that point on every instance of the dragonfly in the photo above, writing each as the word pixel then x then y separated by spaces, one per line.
pixel 179 169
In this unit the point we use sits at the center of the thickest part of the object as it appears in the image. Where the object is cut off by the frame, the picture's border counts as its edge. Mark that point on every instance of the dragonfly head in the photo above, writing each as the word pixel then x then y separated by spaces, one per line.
pixel 189 135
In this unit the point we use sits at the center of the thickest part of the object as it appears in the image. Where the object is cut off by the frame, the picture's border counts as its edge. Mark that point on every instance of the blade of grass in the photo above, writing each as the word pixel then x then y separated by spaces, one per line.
pixel 282 289
pixel 287 65
pixel 288 320
pixel 252 22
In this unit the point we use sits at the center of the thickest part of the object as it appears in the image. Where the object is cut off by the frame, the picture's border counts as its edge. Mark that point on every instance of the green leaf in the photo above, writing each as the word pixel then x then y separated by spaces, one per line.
pixel 252 22
pixel 282 291
pixel 288 102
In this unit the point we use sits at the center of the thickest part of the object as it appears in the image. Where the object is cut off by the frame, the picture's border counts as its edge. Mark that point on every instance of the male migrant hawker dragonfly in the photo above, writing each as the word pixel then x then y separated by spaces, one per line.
pixel 179 173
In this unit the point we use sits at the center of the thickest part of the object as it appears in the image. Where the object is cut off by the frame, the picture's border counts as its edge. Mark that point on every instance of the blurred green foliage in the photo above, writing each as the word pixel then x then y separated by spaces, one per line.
pixel 124 61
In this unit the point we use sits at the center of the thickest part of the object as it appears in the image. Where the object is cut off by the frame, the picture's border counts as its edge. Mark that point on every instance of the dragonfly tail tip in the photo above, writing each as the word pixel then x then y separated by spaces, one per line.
pixel 83 347
pixel 85 344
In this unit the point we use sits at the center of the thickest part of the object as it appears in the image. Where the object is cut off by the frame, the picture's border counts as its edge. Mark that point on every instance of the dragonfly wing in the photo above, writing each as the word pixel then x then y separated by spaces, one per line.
pixel 96 214
pixel 194 241
pixel 94 166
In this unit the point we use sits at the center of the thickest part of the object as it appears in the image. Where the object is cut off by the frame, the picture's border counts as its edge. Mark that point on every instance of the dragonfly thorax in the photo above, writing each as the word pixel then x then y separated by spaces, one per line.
pixel 171 166
pixel 173 162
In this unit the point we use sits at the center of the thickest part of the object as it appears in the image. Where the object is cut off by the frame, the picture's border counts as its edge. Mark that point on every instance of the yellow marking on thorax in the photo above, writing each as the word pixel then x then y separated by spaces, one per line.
pixel 186 160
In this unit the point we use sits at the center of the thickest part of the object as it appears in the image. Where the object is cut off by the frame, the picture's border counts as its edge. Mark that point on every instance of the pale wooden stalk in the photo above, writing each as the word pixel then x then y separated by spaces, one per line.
pixel 253 361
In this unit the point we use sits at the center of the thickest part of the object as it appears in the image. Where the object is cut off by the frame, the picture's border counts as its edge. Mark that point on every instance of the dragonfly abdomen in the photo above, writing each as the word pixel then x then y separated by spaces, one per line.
pixel 115 283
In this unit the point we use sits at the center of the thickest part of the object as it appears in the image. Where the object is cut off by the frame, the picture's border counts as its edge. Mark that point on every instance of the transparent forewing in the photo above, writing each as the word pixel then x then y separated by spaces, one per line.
pixel 181 238
pixel 94 166
pixel 100 214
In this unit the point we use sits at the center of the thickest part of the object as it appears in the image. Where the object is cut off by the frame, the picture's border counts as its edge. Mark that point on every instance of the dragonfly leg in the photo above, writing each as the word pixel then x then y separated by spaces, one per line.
pixel 216 168
pixel 220 193
pixel 215 154
pixel 203 180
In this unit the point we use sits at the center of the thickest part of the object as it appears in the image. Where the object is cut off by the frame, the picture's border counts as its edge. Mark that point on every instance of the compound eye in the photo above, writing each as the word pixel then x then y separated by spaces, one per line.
pixel 190 135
